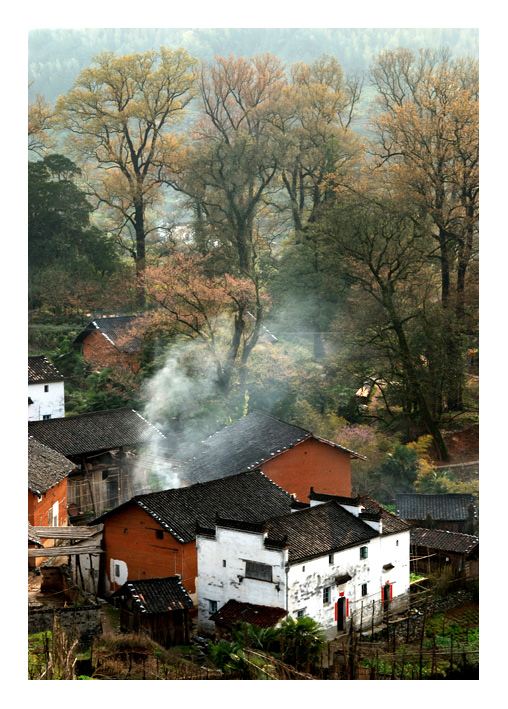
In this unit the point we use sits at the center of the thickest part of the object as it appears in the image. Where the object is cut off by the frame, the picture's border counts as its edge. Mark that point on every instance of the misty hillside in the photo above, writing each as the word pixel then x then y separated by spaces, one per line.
pixel 56 56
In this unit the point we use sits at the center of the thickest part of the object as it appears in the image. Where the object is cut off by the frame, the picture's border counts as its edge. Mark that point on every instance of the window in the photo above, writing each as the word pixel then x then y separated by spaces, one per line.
pixel 364 589
pixel 45 417
pixel 159 534
pixel 300 613
pixel 212 607
pixel 327 594
pixel 330 558
pixel 397 543
pixel 224 562
pixel 364 552
pixel 117 570
pixel 256 570
pixel 46 387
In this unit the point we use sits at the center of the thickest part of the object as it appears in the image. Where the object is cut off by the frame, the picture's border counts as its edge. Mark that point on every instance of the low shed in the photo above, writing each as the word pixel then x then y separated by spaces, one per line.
pixel 158 607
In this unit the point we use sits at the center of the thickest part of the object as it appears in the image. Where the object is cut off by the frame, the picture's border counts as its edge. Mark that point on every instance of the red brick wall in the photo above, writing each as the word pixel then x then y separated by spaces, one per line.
pixel 145 554
pixel 97 349
pixel 311 464
pixel 38 511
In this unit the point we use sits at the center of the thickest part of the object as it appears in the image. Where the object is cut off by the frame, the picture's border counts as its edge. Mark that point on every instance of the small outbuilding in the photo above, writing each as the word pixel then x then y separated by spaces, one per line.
pixel 433 549
pixel 455 512
pixel 157 607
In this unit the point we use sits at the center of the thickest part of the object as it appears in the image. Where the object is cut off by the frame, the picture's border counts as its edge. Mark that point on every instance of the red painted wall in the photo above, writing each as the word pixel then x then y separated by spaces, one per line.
pixel 311 463
pixel 97 349
pixel 130 536
pixel 38 511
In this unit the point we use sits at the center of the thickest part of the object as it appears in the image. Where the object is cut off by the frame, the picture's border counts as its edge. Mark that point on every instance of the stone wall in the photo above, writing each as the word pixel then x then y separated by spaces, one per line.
pixel 84 621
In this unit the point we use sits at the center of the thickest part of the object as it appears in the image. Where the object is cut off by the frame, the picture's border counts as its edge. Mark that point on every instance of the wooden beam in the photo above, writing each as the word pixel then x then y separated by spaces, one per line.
pixel 63 551
pixel 69 532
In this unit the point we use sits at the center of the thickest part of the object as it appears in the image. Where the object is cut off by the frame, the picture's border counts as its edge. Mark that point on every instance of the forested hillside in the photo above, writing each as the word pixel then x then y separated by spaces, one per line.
pixel 56 56
pixel 288 245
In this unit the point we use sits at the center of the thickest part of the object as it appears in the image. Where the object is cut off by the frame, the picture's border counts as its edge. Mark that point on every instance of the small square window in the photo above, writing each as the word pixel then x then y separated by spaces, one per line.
pixel 117 570
pixel 327 594
pixel 364 552
pixel 46 387
pixel 330 558
pixel 224 562
pixel 159 534
pixel 397 543
pixel 300 613
pixel 212 607
pixel 364 589
pixel 45 417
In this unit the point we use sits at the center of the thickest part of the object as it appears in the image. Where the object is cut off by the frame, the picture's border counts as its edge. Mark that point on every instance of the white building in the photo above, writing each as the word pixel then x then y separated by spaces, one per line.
pixel 339 560
pixel 46 395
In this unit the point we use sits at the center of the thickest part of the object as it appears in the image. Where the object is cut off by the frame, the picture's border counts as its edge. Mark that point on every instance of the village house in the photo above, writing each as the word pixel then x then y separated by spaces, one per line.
pixel 435 549
pixel 111 341
pixel 106 448
pixel 158 607
pixel 46 390
pixel 339 561
pixel 455 512
pixel 290 456
pixel 48 472
pixel 154 535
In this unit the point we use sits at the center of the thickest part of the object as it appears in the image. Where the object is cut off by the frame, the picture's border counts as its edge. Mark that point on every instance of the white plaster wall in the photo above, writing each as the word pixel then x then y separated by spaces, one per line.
pixel 301 588
pixel 395 549
pixel 220 583
pixel 45 403
pixel 307 580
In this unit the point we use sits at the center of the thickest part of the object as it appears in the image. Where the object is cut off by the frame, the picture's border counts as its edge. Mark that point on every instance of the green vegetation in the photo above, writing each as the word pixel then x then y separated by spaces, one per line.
pixel 277 213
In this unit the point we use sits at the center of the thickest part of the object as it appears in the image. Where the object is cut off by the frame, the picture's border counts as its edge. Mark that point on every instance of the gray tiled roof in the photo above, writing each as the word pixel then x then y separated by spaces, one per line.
pixel 237 612
pixel 452 507
pixel 116 330
pixel 94 432
pixel 322 529
pixel 442 540
pixel 157 595
pixel 245 445
pixel 40 370
pixel 391 524
pixel 248 497
pixel 46 467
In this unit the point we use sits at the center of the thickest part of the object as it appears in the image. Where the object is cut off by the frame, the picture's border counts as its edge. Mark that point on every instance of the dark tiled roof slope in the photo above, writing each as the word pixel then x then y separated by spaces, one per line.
pixel 236 612
pixel 157 595
pixel 450 507
pixel 318 530
pixel 116 330
pixel 442 540
pixel 391 524
pixel 46 467
pixel 94 432
pixel 40 370
pixel 245 445
pixel 248 497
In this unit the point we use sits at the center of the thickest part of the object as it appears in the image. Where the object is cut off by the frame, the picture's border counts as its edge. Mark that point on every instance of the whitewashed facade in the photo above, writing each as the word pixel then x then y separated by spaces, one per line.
pixel 333 588
pixel 48 401
pixel 46 392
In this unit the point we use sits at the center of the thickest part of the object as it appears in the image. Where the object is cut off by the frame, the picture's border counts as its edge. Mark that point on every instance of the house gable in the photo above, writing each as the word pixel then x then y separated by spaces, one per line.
pixel 291 456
